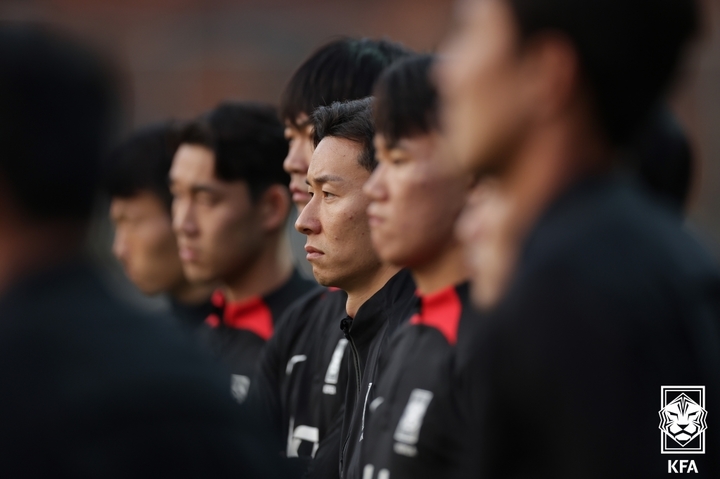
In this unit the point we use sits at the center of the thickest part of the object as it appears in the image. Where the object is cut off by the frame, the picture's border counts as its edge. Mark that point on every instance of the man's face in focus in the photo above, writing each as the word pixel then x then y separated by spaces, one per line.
pixel 335 220
pixel 300 136
pixel 485 86
pixel 415 199
pixel 218 228
pixel 144 242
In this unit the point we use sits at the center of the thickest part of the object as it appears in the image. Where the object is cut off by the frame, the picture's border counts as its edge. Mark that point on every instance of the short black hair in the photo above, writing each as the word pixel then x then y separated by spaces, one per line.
pixel 406 101
pixel 142 162
pixel 58 105
pixel 248 142
pixel 351 120
pixel 342 70
pixel 629 50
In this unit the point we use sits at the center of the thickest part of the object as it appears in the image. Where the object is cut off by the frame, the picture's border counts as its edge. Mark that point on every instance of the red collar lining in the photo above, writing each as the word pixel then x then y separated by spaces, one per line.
pixel 441 310
pixel 252 315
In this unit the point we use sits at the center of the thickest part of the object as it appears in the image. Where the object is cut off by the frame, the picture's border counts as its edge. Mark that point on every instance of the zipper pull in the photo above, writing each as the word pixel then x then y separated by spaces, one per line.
pixel 345 326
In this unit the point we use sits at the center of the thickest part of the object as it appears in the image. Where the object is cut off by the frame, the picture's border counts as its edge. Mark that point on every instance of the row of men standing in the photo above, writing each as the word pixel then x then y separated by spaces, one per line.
pixel 391 372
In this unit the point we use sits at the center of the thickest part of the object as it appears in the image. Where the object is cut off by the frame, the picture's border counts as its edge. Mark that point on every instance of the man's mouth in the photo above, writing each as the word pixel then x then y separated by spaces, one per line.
pixel 188 255
pixel 313 253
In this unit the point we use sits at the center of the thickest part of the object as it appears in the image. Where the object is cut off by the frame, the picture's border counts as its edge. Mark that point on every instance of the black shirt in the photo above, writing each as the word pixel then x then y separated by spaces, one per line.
pixel 237 331
pixel 92 387
pixel 299 387
pixel 369 336
pixel 411 425
pixel 611 300
pixel 190 316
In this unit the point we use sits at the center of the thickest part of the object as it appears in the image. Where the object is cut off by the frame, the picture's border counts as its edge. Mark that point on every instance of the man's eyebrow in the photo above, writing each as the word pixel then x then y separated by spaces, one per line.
pixel 325 179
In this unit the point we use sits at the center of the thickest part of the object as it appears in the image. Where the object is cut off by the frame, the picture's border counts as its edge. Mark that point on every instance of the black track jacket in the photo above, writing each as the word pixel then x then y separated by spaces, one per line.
pixel 612 301
pixel 92 387
pixel 236 332
pixel 411 427
pixel 369 337
pixel 301 379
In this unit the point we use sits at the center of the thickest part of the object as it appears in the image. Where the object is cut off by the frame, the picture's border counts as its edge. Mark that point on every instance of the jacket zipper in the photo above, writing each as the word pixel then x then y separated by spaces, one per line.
pixel 345 325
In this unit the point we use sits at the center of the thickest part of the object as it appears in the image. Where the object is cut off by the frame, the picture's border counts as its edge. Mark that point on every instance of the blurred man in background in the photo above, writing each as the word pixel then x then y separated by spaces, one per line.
pixel 144 242
pixel 302 377
pixel 411 426
pixel 91 387
pixel 230 206
pixel 597 298
pixel 342 70
pixel 663 157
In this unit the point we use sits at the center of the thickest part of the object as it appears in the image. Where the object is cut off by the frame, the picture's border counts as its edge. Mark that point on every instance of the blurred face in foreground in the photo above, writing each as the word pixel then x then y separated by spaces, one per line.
pixel 144 243
pixel 335 219
pixel 415 199
pixel 219 229
pixel 486 86
pixel 300 136
pixel 485 228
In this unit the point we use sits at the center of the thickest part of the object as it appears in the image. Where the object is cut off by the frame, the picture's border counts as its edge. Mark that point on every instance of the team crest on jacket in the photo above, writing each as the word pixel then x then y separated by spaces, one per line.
pixel 239 386
pixel 333 370
pixel 682 419
pixel 407 432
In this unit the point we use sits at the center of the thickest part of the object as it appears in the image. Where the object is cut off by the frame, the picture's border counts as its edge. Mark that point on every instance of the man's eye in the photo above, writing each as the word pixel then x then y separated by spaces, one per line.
pixel 327 194
pixel 205 199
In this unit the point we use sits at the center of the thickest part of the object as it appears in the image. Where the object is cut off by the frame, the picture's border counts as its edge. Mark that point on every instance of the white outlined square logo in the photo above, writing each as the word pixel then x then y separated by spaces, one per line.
pixel 682 419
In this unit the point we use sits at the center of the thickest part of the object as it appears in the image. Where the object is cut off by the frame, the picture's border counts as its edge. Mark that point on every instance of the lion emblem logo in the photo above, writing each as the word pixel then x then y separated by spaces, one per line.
pixel 683 419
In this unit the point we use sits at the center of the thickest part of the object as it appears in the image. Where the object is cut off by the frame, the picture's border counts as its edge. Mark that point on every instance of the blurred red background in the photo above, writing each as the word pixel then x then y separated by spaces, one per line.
pixel 181 57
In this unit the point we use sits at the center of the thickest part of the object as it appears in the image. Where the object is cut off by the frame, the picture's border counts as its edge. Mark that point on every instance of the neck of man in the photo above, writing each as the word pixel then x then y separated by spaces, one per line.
pixel 267 271
pixel 446 269
pixel 192 294
pixel 551 160
pixel 357 295
pixel 27 247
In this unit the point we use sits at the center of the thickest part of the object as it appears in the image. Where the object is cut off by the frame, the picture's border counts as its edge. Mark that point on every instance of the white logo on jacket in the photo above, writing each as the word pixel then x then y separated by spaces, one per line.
pixel 407 432
pixel 299 434
pixel 333 370
pixel 239 386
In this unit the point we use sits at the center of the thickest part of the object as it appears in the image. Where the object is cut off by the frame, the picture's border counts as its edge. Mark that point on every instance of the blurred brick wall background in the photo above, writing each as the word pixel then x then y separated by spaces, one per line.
pixel 182 57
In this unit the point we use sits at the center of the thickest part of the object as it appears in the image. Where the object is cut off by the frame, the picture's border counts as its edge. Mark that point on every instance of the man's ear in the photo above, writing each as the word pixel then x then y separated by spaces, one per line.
pixel 274 207
pixel 556 68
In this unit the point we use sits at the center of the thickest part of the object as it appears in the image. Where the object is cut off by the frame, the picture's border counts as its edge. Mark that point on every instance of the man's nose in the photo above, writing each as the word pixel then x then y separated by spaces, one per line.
pixel 183 219
pixel 295 161
pixel 120 247
pixel 308 222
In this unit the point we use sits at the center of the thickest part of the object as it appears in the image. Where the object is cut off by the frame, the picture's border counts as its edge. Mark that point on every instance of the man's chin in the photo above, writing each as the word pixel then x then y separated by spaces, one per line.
pixel 149 290
pixel 196 275
pixel 323 279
